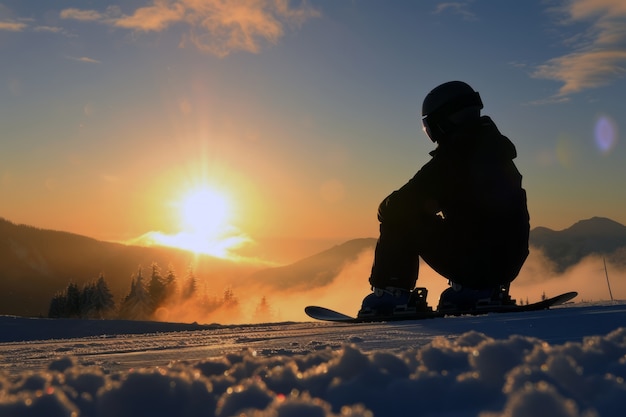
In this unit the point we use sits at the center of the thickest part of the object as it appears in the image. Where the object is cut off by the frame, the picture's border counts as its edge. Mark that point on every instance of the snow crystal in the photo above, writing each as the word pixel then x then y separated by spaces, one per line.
pixel 470 375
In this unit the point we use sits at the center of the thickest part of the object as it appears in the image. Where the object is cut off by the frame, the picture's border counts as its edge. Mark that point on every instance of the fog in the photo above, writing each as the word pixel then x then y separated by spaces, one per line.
pixel 536 278
pixel 345 292
pixel 588 277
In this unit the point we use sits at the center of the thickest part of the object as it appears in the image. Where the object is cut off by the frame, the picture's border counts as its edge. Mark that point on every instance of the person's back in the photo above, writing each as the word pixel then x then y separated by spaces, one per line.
pixel 482 202
pixel 464 212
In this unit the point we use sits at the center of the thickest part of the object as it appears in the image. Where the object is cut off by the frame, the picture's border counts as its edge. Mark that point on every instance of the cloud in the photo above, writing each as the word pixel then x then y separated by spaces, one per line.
pixel 84 59
pixel 584 70
pixel 48 29
pixel 83 15
pixel 219 27
pixel 156 17
pixel 28 24
pixel 458 8
pixel 598 54
pixel 12 26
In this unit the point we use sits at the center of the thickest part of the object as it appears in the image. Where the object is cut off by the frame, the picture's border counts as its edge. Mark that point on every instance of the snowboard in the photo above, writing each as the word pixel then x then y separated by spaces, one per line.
pixel 326 314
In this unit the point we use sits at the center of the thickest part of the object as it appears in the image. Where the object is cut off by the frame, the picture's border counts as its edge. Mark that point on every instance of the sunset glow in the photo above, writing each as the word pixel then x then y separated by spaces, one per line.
pixel 205 211
pixel 203 124
pixel 205 216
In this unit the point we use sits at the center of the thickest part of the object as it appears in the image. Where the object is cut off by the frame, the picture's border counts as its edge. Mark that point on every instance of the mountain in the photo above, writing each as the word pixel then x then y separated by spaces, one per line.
pixel 564 248
pixel 314 271
pixel 35 264
pixel 567 247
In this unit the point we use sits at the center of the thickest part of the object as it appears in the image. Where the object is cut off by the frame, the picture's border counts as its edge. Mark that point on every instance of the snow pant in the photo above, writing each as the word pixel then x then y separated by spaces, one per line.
pixel 453 253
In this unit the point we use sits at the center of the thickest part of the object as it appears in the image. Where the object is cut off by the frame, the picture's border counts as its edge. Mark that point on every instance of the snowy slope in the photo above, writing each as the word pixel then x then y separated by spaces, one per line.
pixel 570 361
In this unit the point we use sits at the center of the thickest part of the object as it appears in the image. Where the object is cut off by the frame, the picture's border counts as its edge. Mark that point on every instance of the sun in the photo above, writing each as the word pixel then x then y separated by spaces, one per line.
pixel 205 218
pixel 205 212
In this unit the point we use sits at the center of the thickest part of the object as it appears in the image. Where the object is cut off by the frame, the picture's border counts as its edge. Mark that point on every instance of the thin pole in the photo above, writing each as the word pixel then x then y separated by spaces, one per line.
pixel 607 278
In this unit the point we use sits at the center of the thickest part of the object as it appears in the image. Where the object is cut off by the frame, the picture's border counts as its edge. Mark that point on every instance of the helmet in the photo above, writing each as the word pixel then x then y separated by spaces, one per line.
pixel 444 101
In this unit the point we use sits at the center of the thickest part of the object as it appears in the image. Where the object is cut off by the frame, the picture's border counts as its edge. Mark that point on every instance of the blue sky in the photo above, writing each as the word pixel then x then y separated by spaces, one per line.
pixel 306 114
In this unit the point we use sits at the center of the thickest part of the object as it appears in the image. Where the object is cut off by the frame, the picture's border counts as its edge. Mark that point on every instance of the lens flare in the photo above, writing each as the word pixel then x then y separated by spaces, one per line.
pixel 605 134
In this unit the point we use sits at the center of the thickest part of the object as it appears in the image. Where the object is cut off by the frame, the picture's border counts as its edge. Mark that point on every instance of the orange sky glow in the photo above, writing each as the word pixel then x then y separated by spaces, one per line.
pixel 304 115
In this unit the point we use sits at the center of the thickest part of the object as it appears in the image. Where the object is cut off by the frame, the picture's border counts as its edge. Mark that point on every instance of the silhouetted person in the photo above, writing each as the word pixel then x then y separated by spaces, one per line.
pixel 464 213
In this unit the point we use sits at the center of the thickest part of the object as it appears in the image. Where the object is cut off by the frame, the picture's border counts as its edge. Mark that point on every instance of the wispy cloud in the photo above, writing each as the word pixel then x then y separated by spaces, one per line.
pixel 458 8
pixel 598 54
pixel 83 15
pixel 215 26
pixel 29 25
pixel 48 29
pixel 13 26
pixel 160 15
pixel 84 59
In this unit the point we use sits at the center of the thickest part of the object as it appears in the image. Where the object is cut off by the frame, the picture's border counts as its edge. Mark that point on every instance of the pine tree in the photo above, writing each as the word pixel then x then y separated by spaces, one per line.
pixel 137 304
pixel 230 300
pixel 171 284
pixel 190 285
pixel 58 306
pixel 156 287
pixel 73 295
pixel 205 302
pixel 87 298
pixel 103 303
pixel 94 300
pixel 263 311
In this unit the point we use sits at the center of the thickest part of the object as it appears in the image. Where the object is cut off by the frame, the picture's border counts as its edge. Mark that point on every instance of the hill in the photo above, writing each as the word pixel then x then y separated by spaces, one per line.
pixel 567 247
pixel 314 271
pixel 564 248
pixel 37 263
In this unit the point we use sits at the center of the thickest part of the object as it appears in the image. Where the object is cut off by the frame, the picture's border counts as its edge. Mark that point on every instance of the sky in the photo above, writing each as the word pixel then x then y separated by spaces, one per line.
pixel 298 117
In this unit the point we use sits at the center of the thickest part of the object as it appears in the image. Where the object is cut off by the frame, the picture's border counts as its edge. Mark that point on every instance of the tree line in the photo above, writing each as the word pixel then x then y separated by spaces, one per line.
pixel 145 297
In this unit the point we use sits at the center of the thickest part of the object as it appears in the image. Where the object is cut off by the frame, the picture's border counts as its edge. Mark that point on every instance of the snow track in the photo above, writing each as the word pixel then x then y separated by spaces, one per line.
pixel 115 351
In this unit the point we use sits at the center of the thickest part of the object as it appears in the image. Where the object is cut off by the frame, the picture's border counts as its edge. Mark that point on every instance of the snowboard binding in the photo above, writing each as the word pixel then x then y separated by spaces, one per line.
pixel 391 302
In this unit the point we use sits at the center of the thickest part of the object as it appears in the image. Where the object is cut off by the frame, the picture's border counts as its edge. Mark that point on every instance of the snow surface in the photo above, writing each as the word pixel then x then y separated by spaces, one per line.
pixel 569 361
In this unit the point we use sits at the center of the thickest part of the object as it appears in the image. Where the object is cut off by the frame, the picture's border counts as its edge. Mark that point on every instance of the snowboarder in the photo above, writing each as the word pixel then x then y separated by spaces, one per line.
pixel 464 213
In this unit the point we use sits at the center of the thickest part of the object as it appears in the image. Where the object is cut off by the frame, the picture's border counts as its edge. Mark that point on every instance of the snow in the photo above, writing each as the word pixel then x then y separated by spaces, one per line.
pixel 569 361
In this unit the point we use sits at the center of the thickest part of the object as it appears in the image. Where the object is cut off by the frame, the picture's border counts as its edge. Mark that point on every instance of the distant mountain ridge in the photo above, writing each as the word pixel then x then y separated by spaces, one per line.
pixel 564 248
pixel 597 235
pixel 314 271
pixel 36 263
